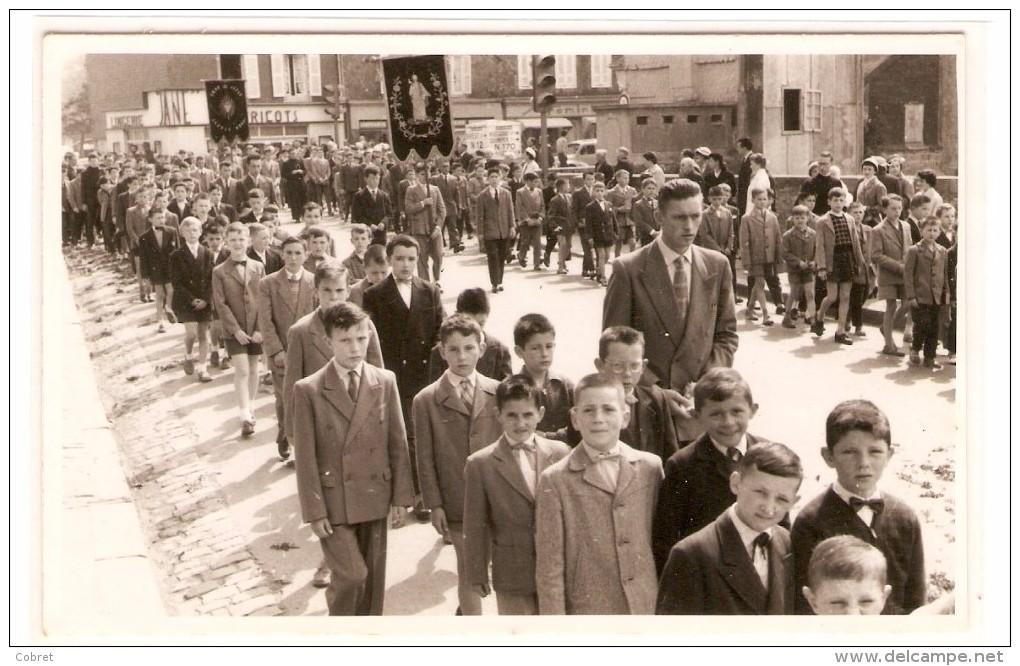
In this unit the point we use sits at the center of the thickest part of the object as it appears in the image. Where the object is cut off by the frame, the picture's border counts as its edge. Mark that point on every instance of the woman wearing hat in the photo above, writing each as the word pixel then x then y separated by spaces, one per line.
pixel 870 192
pixel 531 166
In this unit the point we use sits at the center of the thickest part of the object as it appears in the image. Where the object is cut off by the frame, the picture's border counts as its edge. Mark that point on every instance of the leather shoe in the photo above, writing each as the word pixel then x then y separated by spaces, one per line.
pixel 189 366
pixel 283 448
pixel 204 377
pixel 321 577
pixel 247 428
pixel 893 351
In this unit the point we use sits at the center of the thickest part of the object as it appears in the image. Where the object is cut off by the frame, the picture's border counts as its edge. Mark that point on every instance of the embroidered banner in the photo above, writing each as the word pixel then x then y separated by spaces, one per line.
pixel 228 110
pixel 418 101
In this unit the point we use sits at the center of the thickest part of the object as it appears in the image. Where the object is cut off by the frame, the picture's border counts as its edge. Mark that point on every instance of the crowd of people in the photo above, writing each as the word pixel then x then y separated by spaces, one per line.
pixel 636 490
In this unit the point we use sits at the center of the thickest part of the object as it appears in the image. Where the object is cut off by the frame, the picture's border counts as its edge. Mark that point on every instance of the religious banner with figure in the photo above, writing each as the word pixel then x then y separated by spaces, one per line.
pixel 419 106
pixel 228 110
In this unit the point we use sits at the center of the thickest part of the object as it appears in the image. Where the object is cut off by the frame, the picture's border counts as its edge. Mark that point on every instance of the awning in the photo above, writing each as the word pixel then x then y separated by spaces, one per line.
pixel 553 123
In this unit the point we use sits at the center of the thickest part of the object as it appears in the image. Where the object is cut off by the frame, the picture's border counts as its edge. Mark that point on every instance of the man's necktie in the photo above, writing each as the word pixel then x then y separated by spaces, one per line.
pixel 467 393
pixel 734 454
pixel 352 385
pixel 681 289
pixel 760 557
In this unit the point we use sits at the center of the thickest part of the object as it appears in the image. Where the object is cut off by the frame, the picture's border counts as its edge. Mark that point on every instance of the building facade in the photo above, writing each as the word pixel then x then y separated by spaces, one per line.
pixel 286 97
pixel 792 107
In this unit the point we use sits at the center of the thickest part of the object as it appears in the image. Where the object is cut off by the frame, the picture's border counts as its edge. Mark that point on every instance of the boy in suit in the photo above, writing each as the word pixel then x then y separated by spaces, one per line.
pixel 136 224
pixel 643 213
pixel 535 345
pixel 236 296
pixel 716 230
pixel 798 251
pixel 284 297
pixel 925 284
pixel 212 238
pixel 602 488
pixel 697 485
pixel 530 213
pixel 353 469
pixel 583 196
pixel 846 576
pixel 495 360
pixel 499 500
pixel 318 241
pixel 372 207
pixel 600 220
pixel 621 198
pixel 425 211
pixel 496 224
pixel 562 222
pixel 154 249
pixel 740 564
pixel 858 446
pixel 376 270
pixel 407 312
pixel 261 249
pixel 191 268
pixel 651 427
pixel 218 206
pixel 454 417
pixel 355 261
pixel 889 242
pixel 180 205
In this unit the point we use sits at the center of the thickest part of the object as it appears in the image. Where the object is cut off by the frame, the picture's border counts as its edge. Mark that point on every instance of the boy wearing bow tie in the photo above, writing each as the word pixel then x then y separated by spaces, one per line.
pixel 594 509
pixel 858 447
pixel 740 564
pixel 236 298
pixel 499 505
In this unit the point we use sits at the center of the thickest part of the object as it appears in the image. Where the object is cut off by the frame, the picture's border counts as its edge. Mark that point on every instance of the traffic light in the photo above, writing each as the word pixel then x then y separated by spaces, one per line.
pixel 543 81
pixel 334 103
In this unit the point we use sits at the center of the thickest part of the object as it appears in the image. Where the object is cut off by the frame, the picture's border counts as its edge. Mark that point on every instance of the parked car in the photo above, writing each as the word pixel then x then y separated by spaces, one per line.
pixel 582 151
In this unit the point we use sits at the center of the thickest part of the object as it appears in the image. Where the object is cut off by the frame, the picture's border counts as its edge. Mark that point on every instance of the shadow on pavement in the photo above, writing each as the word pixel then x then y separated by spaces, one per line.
pixel 425 588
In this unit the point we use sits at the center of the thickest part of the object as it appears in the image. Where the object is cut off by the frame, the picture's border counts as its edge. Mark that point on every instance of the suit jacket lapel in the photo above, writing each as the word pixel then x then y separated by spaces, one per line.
pixel 627 473
pixel 336 394
pixel 735 565
pixel 319 337
pixel 449 397
pixel 479 403
pixel 655 278
pixel 369 394
pixel 242 280
pixel 509 469
pixel 283 289
pixel 393 294
pixel 708 452
pixel 579 460
pixel 698 300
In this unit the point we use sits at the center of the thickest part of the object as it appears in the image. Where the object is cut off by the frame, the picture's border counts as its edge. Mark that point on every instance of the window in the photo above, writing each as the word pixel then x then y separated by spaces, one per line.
pixel 667 120
pixel 802 110
pixel 601 75
pixel 791 110
pixel 641 120
pixel 459 74
pixel 913 123
pixel 813 110
pixel 250 69
pixel 523 72
pixel 296 76
pixel 716 118
pixel 693 118
pixel 566 72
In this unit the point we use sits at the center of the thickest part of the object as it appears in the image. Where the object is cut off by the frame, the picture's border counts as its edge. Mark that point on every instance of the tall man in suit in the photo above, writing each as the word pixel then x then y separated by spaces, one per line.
pixel 285 296
pixel 407 312
pixel 425 211
pixel 447 185
pixel 496 223
pixel 353 469
pixel 253 179
pixel 679 295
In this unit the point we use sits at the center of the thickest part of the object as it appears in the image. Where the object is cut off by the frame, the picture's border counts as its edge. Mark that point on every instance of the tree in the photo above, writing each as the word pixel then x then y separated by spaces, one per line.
pixel 77 118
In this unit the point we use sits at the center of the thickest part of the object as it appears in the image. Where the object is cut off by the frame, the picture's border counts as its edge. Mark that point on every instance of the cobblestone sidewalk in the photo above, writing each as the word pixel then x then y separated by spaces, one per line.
pixel 205 565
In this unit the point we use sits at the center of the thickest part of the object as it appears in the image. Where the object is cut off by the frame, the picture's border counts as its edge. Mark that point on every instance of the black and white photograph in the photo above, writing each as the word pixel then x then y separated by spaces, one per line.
pixel 411 322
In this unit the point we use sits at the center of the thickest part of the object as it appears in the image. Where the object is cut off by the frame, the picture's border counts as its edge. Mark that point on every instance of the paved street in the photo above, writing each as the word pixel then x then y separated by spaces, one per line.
pixel 251 496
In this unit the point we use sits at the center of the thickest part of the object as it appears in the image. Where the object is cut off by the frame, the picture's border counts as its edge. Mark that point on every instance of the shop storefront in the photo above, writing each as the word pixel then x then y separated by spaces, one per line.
pixel 172 120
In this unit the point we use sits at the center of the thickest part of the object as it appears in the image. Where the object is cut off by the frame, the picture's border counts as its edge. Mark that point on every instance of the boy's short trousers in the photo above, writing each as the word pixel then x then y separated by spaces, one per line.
pixel 800 278
pixel 234 347
pixel 890 292
pixel 626 234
